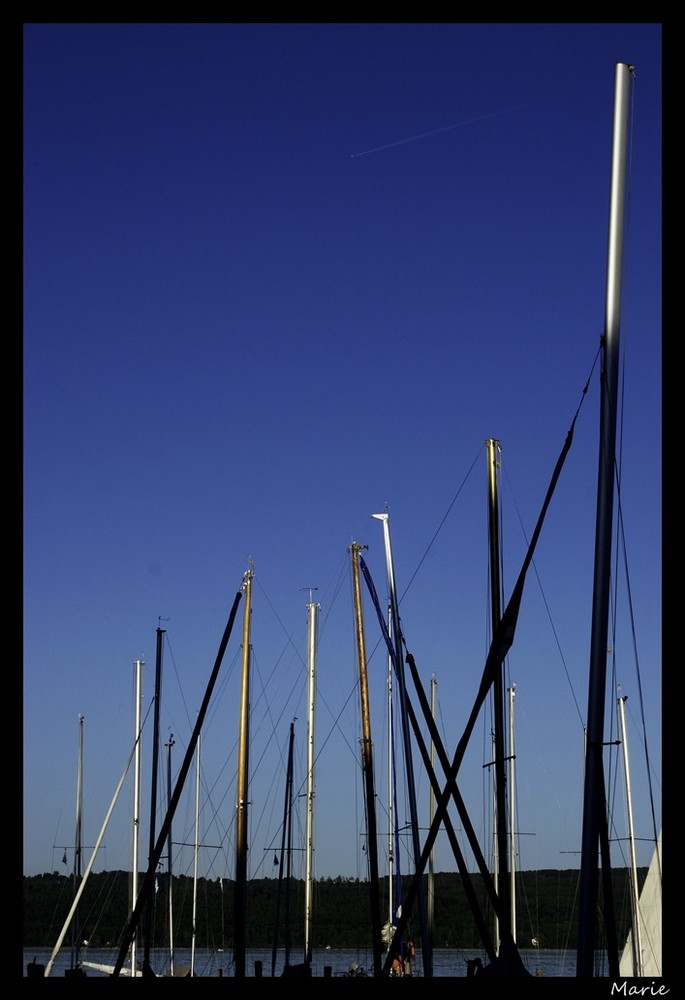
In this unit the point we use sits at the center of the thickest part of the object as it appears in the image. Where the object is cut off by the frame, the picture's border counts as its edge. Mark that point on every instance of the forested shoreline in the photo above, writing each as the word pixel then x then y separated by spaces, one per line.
pixel 546 910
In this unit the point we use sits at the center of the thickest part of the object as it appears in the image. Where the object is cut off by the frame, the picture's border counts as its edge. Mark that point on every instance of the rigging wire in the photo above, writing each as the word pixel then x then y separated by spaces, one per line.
pixel 440 526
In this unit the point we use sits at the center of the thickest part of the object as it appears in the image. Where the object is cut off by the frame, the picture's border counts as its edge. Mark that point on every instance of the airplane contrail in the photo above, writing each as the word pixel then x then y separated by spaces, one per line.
pixel 445 128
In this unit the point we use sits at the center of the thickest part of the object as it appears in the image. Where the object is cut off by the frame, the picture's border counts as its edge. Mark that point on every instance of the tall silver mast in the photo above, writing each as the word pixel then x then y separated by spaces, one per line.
pixel 594 798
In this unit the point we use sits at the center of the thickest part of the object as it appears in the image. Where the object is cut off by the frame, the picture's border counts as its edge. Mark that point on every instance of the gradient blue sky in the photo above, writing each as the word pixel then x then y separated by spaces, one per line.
pixel 281 277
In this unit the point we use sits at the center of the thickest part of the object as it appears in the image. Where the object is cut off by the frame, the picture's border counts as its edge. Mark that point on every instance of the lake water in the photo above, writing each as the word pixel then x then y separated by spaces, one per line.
pixel 333 962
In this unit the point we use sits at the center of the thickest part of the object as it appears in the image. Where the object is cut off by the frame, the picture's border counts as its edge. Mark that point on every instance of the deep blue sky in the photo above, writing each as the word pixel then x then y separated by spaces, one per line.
pixel 281 277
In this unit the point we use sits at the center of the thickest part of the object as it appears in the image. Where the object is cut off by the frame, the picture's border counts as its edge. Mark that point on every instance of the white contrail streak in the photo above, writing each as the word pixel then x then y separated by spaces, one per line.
pixel 435 131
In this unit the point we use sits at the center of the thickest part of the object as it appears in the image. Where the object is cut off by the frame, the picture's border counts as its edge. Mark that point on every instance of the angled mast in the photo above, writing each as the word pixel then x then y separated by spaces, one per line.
pixel 89 868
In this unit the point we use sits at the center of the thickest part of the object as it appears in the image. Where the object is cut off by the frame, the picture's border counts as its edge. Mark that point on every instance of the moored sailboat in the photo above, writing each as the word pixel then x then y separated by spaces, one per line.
pixel 642 955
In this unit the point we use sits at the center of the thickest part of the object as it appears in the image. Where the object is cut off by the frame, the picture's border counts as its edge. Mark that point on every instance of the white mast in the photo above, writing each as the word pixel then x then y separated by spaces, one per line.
pixel 512 811
pixel 170 893
pixel 391 746
pixel 136 801
pixel 313 615
pixel 391 795
pixel 636 936
pixel 396 640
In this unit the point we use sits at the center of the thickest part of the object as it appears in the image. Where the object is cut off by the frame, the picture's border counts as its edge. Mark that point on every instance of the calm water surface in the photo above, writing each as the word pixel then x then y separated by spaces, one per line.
pixel 338 961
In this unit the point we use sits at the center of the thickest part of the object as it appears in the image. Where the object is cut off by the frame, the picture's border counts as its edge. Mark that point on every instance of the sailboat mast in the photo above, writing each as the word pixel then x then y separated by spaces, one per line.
pixel 313 619
pixel 391 794
pixel 196 854
pixel 394 897
pixel 240 922
pixel 136 803
pixel 75 928
pixel 396 638
pixel 153 860
pixel 431 813
pixel 286 846
pixel 594 796
pixel 367 762
pixel 86 874
pixel 511 692
pixel 170 893
pixel 147 942
pixel 289 849
pixel 636 936
pixel 502 850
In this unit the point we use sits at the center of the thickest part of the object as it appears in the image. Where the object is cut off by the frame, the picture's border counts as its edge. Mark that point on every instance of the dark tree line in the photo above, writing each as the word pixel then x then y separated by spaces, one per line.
pixel 546 910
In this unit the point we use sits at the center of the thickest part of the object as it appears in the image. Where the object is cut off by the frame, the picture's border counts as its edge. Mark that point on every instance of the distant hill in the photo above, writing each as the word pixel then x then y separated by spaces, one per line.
pixel 546 910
